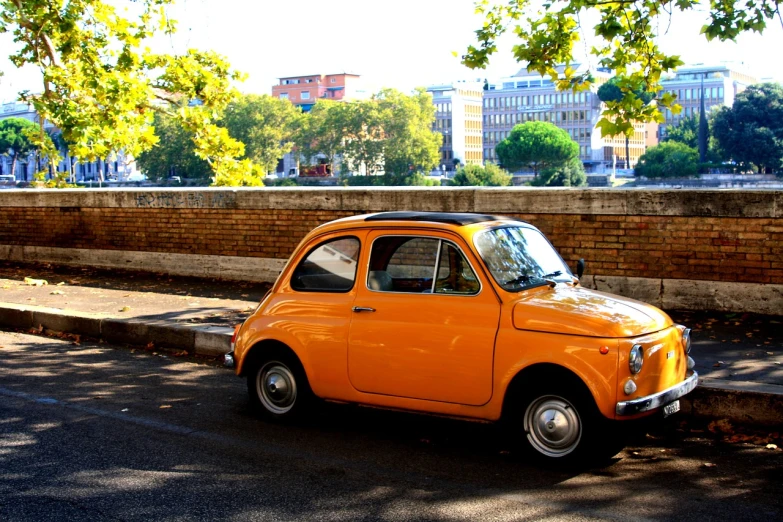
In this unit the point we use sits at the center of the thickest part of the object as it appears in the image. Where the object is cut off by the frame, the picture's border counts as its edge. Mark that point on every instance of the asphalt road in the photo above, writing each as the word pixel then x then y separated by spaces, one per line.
pixel 93 432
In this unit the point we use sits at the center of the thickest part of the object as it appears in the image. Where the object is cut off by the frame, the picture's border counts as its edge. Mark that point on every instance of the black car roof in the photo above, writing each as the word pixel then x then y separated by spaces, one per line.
pixel 453 218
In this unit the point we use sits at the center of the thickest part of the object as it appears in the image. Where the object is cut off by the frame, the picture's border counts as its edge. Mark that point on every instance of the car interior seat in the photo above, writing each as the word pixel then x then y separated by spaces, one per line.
pixel 380 280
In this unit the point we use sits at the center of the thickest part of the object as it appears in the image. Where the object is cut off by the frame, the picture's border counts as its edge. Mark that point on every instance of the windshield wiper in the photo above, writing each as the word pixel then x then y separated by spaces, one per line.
pixel 524 278
pixel 552 274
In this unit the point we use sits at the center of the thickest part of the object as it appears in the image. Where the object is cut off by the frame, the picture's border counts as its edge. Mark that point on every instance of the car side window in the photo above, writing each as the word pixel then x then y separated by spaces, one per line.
pixel 455 276
pixel 419 265
pixel 329 267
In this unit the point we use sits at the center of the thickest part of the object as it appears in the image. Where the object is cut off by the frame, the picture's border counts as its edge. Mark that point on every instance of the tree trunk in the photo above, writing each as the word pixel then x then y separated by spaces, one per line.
pixel 13 165
pixel 627 153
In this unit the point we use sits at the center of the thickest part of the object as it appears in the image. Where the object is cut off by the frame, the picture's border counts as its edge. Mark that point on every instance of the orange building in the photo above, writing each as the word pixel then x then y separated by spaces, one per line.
pixel 304 91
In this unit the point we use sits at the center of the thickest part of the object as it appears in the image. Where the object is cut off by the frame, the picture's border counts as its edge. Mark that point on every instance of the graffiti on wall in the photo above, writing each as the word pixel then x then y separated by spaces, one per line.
pixel 186 200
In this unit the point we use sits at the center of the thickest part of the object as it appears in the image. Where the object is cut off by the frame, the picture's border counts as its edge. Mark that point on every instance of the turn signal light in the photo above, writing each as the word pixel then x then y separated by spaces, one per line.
pixel 604 350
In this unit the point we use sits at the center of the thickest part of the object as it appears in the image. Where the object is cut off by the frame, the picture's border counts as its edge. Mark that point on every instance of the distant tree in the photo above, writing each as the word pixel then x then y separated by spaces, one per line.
pixel 670 159
pixel 322 132
pixel 571 174
pixel 265 125
pixel 410 144
pixel 15 139
pixel 751 131
pixel 537 145
pixel 490 175
pixel 174 154
pixel 686 132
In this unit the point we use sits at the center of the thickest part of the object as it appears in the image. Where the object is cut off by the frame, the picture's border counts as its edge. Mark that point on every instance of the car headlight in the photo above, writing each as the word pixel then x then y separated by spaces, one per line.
pixel 636 359
pixel 686 340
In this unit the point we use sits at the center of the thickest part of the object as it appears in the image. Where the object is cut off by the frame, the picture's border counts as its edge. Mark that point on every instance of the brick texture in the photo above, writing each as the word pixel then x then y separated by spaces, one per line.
pixel 699 248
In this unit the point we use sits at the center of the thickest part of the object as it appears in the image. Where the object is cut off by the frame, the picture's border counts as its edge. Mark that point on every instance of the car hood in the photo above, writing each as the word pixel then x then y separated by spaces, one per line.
pixel 571 310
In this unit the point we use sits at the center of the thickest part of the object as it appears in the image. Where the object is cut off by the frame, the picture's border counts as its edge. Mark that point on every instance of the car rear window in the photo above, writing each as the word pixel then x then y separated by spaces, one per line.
pixel 329 267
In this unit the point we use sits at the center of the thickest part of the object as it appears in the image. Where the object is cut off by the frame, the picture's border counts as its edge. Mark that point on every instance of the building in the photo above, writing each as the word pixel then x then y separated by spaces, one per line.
pixel 121 168
pixel 458 117
pixel 721 85
pixel 304 91
pixel 528 96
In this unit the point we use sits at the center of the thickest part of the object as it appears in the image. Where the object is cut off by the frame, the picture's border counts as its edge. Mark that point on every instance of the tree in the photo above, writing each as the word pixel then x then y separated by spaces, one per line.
pixel 322 132
pixel 15 139
pixel 537 145
pixel 670 159
pixel 626 34
pixel 101 83
pixel 392 132
pixel 174 153
pixel 490 175
pixel 410 143
pixel 686 132
pixel 571 174
pixel 613 93
pixel 265 125
pixel 751 131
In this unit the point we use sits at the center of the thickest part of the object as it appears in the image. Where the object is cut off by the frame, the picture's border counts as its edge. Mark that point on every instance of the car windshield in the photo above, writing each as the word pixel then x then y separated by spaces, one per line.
pixel 520 257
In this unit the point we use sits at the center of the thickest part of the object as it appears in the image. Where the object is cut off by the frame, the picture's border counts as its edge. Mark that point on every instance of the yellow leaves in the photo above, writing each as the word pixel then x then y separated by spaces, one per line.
pixel 35 282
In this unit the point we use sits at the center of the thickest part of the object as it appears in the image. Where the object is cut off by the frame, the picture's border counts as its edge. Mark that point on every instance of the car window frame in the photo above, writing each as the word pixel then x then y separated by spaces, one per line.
pixel 313 249
pixel 435 270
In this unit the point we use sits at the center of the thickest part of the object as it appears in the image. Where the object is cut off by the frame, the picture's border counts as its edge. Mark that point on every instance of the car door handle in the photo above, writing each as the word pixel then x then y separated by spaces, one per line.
pixel 358 309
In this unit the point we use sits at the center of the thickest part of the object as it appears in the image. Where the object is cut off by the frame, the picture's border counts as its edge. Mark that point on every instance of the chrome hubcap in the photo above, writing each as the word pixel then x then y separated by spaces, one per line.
pixel 276 387
pixel 553 426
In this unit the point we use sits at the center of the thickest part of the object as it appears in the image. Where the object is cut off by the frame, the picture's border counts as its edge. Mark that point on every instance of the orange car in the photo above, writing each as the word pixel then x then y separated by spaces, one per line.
pixel 463 315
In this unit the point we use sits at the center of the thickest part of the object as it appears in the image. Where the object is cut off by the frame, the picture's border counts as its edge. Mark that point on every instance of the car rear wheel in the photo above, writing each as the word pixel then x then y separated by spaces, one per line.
pixel 278 387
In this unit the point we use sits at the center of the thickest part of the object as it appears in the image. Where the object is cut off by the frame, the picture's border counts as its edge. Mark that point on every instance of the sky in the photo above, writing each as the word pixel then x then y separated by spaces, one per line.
pixel 400 43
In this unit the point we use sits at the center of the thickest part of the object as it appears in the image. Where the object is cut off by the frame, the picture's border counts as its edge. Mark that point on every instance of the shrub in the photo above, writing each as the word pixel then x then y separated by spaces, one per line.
pixel 489 175
pixel 670 159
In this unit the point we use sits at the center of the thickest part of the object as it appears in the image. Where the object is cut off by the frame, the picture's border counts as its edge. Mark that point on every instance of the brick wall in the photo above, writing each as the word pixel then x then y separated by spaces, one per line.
pixel 707 235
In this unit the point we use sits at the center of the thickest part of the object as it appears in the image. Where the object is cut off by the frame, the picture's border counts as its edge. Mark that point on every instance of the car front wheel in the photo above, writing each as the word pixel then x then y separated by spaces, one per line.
pixel 563 426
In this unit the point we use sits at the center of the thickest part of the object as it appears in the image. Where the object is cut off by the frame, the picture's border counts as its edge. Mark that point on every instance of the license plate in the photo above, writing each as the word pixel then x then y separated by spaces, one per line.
pixel 672 407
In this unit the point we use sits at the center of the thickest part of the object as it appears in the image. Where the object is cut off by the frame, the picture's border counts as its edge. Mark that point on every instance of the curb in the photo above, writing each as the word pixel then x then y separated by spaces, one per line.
pixel 742 402
pixel 211 341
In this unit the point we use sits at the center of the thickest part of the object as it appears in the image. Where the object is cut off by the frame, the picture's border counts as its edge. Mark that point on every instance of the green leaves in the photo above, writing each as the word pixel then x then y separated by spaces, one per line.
pixel 101 86
pixel 627 34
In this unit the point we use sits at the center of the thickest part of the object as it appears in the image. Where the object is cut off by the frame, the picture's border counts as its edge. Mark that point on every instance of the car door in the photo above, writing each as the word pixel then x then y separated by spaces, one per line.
pixel 418 331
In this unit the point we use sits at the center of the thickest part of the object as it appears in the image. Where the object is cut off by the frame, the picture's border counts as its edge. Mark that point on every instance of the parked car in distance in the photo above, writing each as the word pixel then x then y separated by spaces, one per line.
pixel 7 179
pixel 462 315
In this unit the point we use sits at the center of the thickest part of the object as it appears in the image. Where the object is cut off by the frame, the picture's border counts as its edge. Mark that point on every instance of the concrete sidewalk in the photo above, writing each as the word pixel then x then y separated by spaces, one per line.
pixel 738 356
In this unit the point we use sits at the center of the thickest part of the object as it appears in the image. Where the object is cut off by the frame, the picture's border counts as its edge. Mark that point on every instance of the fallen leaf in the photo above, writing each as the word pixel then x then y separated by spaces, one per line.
pixel 772 446
pixel 35 282
pixel 125 309
pixel 164 406
pixel 770 353
pixel 124 409
pixel 57 292
pixel 61 283
pixel 708 465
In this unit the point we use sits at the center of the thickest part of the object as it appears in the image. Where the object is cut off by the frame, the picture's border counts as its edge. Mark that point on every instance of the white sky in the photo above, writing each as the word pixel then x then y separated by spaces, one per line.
pixel 399 43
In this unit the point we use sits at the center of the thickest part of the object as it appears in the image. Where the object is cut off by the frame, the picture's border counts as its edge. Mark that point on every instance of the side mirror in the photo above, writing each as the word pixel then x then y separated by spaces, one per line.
pixel 580 268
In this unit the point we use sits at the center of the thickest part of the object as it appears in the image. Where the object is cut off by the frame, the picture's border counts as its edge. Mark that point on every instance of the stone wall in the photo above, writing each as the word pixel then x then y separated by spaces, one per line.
pixel 674 248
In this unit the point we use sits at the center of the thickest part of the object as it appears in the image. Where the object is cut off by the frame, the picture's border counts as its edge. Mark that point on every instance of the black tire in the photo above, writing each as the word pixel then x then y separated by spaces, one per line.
pixel 277 386
pixel 562 427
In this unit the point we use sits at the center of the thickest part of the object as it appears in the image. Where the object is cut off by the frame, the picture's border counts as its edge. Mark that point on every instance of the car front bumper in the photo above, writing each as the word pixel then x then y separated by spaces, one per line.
pixel 657 400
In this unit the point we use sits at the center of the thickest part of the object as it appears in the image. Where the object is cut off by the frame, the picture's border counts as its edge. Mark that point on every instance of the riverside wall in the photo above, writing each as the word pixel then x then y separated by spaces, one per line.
pixel 677 249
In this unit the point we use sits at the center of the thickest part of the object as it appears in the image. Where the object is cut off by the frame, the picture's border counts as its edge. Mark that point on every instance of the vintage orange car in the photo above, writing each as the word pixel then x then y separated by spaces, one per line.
pixel 463 315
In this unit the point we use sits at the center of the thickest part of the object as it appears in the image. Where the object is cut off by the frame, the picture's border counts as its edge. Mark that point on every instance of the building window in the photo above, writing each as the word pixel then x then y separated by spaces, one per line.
pixel 334 80
pixel 283 95
pixel 305 95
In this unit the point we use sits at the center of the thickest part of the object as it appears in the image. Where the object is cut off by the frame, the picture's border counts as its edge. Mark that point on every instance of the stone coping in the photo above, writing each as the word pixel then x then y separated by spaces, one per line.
pixel 737 203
